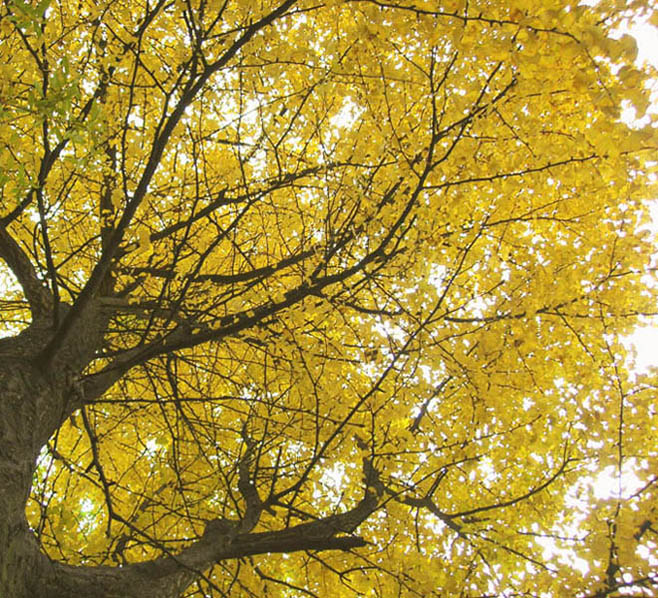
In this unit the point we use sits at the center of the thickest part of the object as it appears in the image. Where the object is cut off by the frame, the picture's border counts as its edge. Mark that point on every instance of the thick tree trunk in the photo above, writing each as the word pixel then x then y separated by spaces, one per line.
pixel 33 403
pixel 20 559
pixel 22 396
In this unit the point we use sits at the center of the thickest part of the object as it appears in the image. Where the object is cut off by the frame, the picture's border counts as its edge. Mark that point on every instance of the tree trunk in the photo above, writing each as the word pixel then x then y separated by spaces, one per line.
pixel 22 409
pixel 32 406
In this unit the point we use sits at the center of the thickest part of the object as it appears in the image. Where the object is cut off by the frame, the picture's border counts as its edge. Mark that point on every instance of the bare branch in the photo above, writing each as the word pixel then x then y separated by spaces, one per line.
pixel 35 291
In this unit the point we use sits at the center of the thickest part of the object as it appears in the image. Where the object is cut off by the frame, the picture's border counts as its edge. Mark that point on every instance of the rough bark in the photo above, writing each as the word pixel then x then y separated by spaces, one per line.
pixel 25 409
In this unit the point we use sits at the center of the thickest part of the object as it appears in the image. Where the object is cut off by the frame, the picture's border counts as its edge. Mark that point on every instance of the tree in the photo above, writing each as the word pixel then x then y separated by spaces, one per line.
pixel 325 298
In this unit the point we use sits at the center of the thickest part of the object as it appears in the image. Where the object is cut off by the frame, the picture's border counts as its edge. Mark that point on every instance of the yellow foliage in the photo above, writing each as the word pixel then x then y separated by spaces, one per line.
pixel 339 236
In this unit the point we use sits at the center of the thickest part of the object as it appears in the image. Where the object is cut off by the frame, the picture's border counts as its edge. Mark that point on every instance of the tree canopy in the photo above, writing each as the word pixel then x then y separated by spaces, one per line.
pixel 325 298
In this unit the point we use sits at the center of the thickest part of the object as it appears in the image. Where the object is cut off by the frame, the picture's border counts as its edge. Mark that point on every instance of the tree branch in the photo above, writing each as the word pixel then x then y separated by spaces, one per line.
pixel 167 577
pixel 36 293
pixel 159 144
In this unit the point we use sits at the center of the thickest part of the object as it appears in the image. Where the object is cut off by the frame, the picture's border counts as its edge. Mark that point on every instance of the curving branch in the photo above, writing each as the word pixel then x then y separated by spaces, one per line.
pixel 35 291
pixel 168 576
